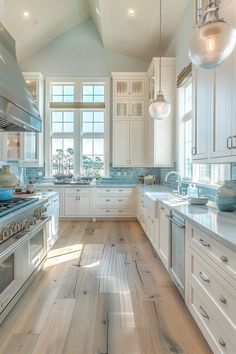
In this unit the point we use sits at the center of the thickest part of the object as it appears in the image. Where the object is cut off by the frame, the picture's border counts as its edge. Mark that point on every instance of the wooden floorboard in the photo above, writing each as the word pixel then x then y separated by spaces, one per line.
pixel 103 290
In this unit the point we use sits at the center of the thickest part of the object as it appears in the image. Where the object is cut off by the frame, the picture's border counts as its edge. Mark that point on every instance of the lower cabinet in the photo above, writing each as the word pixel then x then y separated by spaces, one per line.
pixel 164 236
pixel 114 202
pixel 78 202
pixel 211 289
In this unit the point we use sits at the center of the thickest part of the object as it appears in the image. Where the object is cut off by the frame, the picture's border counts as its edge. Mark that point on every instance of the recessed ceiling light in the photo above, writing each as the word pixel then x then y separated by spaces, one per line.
pixel 26 15
pixel 131 12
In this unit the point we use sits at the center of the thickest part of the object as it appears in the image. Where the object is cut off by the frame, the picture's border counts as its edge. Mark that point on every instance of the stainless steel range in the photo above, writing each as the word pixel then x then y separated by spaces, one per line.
pixel 18 215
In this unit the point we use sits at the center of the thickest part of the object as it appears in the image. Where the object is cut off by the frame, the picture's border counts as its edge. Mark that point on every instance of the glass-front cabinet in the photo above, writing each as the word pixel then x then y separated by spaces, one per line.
pixel 26 147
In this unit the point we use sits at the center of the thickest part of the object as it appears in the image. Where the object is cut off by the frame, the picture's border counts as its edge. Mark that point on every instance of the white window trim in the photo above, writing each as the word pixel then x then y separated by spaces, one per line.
pixel 77 81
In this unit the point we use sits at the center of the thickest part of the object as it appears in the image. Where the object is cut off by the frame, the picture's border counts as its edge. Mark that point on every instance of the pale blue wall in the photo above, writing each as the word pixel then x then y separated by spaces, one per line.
pixel 79 52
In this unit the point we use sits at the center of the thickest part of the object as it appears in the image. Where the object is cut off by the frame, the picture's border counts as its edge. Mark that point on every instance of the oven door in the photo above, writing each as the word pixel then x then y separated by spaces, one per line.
pixel 37 245
pixel 10 277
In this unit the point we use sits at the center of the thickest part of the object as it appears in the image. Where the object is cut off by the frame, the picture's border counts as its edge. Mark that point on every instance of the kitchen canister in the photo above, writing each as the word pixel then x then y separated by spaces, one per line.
pixel 226 196
pixel 8 179
pixel 149 179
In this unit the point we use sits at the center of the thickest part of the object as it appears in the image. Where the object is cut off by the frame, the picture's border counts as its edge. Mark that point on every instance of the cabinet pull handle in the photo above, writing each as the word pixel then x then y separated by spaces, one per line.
pixel 204 313
pixel 162 208
pixel 229 142
pixel 120 200
pixel 204 277
pixel 107 190
pixel 120 210
pixel 224 259
pixel 77 190
pixel 49 190
pixel 234 142
pixel 204 243
pixel 194 151
pixel 222 342
pixel 107 211
pixel 107 200
pixel 120 190
pixel 223 299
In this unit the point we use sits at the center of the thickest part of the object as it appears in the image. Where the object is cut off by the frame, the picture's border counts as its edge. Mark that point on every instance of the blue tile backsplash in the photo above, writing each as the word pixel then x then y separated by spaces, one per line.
pixel 130 175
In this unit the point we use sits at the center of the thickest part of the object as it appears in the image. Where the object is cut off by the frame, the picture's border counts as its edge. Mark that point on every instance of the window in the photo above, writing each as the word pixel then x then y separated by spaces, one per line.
pixel 77 139
pixel 211 174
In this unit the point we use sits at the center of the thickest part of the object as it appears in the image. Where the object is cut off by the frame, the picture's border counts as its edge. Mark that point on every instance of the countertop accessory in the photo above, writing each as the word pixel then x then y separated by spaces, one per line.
pixel 201 200
pixel 149 179
pixel 8 179
pixel 6 194
pixel 226 196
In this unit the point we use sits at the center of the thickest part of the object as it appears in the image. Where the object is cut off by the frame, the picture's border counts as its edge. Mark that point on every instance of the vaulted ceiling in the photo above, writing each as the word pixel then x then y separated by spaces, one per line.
pixel 136 35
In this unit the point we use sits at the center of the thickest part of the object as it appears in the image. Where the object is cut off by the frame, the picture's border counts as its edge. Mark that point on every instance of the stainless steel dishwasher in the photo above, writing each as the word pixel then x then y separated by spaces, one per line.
pixel 177 261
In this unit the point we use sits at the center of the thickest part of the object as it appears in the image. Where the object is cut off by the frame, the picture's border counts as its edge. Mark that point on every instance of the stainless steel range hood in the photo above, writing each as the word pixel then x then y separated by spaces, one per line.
pixel 18 110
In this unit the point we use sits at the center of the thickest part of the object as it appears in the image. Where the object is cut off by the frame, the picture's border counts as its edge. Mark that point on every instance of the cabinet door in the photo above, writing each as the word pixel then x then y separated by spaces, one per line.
pixel 121 156
pixel 164 239
pixel 85 206
pixel 121 87
pixel 221 129
pixel 137 146
pixel 121 108
pixel 221 126
pixel 136 109
pixel 202 111
pixel 71 206
pixel 136 87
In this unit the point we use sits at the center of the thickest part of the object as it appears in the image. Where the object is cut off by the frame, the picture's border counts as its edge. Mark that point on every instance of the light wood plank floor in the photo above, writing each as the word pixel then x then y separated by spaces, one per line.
pixel 103 291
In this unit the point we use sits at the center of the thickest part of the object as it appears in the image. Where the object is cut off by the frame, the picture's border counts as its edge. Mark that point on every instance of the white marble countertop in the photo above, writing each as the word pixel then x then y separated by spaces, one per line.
pixel 220 225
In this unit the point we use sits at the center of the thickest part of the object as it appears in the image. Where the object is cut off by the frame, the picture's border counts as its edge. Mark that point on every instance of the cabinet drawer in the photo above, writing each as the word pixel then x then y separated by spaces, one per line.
pixel 219 291
pixel 220 254
pixel 114 191
pixel 218 336
pixel 113 212
pixel 118 202
pixel 78 191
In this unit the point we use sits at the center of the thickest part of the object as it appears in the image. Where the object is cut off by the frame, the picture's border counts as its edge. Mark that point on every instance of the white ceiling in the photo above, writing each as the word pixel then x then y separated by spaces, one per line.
pixel 136 36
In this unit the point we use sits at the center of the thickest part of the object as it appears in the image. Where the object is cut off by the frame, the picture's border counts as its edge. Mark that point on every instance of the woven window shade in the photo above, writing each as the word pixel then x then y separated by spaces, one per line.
pixel 184 75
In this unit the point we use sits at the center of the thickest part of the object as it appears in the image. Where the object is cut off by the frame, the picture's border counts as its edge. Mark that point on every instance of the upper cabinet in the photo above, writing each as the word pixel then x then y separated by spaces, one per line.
pixel 214 128
pixel 202 111
pixel 26 147
pixel 159 133
pixel 129 94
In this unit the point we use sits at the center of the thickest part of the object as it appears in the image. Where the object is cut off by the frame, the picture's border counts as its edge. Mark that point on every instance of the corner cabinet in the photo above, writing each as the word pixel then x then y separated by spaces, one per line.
pixel 129 119
pixel 26 147
pixel 214 121
pixel 159 133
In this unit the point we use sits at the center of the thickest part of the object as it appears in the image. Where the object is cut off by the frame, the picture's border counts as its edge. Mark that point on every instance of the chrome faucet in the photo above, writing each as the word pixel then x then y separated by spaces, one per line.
pixel 178 179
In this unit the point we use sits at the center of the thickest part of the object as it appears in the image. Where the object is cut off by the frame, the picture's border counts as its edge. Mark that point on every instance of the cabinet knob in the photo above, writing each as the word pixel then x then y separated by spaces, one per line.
pixel 194 151
pixel 224 259
pixel 223 299
pixel 222 342
pixel 234 142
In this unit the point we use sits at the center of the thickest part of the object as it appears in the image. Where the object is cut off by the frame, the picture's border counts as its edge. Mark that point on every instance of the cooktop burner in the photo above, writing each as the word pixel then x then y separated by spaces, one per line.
pixel 8 206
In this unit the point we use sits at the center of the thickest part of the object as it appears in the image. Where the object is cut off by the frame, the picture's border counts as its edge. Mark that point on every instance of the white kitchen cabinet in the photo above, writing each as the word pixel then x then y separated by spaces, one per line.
pixel 159 134
pixel 214 123
pixel 128 143
pixel 128 84
pixel 210 294
pixel 114 202
pixel 26 147
pixel 78 202
pixel 164 235
pixel 202 112
pixel 128 108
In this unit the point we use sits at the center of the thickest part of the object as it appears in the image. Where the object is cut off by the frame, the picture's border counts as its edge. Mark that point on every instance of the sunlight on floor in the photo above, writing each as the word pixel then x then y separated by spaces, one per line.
pixel 62 255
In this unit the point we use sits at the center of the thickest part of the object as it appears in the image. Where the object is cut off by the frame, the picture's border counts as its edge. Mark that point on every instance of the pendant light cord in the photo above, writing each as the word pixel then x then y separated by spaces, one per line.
pixel 160 43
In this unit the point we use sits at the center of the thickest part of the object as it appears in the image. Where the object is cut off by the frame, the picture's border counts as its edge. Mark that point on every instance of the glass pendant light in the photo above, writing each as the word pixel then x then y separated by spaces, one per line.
pixel 213 41
pixel 159 108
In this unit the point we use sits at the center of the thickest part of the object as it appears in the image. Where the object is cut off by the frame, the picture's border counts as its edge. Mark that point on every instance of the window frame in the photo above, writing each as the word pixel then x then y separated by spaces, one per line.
pixel 77 133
